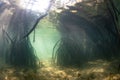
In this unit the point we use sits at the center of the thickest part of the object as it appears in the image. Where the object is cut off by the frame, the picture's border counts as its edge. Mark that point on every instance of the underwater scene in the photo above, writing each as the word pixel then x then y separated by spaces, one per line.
pixel 59 40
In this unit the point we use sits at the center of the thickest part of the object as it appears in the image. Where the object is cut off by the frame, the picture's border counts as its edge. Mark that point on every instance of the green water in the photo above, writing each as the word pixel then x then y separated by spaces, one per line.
pixel 46 36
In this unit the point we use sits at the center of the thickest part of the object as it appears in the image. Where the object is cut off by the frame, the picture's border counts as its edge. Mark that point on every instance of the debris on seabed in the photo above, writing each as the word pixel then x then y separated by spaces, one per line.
pixel 97 70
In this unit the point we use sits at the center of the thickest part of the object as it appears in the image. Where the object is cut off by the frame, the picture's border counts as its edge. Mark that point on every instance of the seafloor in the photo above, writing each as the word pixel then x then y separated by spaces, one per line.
pixel 94 70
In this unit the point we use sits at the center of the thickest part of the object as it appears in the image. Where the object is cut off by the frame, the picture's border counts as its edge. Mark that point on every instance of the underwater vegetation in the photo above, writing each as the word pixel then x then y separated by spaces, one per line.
pixel 21 54
pixel 16 25
pixel 87 36
pixel 88 47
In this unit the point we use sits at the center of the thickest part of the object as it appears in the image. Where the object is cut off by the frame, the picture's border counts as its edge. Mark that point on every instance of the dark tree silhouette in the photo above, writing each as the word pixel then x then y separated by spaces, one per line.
pixel 15 26
pixel 89 33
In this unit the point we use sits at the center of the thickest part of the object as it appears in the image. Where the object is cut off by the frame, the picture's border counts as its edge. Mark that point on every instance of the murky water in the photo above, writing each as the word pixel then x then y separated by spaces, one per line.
pixel 46 36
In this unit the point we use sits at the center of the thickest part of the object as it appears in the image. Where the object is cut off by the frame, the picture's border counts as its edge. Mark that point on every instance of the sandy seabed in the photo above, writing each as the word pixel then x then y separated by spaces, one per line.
pixel 94 70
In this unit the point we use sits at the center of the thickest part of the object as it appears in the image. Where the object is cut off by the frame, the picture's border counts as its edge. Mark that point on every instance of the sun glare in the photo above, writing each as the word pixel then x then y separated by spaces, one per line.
pixel 35 5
